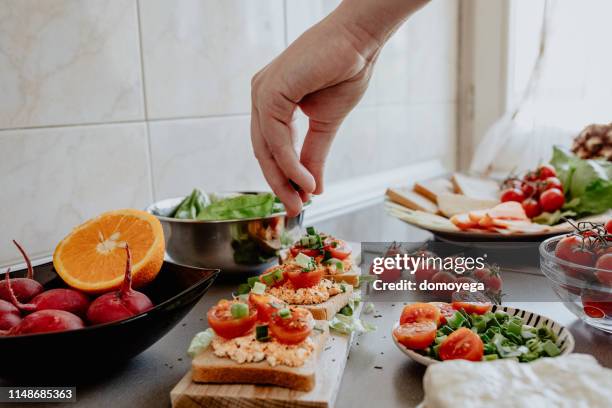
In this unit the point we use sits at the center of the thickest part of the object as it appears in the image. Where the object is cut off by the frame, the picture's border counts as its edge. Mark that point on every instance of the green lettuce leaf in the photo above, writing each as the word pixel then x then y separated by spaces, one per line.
pixel 191 206
pixel 243 206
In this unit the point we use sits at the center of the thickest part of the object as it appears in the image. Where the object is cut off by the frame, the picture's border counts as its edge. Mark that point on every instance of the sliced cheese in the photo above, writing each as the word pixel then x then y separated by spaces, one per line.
pixel 411 200
pixel 475 187
pixel 452 204
pixel 433 188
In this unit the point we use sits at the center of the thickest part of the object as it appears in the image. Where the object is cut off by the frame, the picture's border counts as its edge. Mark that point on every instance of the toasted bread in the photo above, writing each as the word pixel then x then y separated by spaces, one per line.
pixel 208 368
pixel 475 187
pixel 453 204
pixel 431 189
pixel 411 200
pixel 328 309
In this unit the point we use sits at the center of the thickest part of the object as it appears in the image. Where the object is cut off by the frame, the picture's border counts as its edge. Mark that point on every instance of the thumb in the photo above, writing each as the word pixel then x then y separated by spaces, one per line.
pixel 316 146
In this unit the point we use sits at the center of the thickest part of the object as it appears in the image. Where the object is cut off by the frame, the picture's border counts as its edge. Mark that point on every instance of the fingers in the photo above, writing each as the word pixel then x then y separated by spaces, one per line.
pixel 315 149
pixel 272 173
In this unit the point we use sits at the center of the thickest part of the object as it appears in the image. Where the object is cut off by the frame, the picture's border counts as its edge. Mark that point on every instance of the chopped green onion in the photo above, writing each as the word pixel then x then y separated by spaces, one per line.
pixel 284 313
pixel 268 279
pixel 261 333
pixel 490 357
pixel 551 348
pixel 239 310
pixel 346 310
pixel 457 320
pixel 310 231
pixel 304 241
pixel 440 339
pixel 515 328
pixel 251 281
pixel 243 288
pixel 259 288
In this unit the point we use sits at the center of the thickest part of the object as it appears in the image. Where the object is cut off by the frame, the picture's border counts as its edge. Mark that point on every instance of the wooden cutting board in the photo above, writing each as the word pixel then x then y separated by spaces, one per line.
pixel 332 361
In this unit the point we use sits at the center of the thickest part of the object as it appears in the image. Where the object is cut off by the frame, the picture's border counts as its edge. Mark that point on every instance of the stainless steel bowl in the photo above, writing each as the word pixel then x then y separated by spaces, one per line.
pixel 246 246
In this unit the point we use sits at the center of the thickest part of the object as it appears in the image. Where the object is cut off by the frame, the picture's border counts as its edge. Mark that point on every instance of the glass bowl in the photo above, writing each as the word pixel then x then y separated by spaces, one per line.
pixel 585 291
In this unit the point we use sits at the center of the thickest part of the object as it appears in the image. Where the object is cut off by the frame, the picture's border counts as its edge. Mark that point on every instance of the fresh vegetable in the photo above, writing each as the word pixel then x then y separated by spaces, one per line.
pixel 200 342
pixel 69 300
pixel 9 315
pixel 588 183
pixel 273 277
pixel 46 321
pixel 419 312
pixel 472 307
pixel 532 208
pixel 222 321
pixel 417 335
pixel 294 328
pixel 446 311
pixel 121 304
pixel 24 288
pixel 302 278
pixel 572 249
pixel 596 304
pixel 552 200
pixel 512 194
pixel 321 246
pixel 462 344
pixel 201 206
pixel 266 305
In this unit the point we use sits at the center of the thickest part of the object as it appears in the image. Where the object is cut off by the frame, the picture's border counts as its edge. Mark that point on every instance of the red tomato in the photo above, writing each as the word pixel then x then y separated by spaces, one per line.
pixel 551 182
pixel 416 336
pixel 597 304
pixel 552 200
pixel 462 344
pixel 337 248
pixel 531 176
pixel 294 329
pixel 545 171
pixel 443 277
pixel 446 311
pixel 528 189
pixel 490 278
pixel 482 273
pixel 604 262
pixel 266 306
pixel 473 307
pixel 532 208
pixel 420 312
pixel 570 249
pixel 609 226
pixel 300 278
pixel 297 249
pixel 512 194
pixel 225 325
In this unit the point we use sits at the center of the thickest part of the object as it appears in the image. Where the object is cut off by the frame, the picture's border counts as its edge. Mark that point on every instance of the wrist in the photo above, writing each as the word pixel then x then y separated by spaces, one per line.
pixel 372 22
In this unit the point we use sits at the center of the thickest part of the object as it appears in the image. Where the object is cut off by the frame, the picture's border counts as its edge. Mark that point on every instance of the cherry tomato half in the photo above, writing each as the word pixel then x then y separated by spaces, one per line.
pixel 473 307
pixel 446 311
pixel 420 312
pixel 293 329
pixel 462 344
pixel 416 336
pixel 266 306
pixel 337 248
pixel 297 249
pixel 300 278
pixel 225 325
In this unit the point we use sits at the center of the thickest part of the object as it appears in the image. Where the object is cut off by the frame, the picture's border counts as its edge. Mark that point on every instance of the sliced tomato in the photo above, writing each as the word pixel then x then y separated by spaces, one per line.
pixel 266 306
pixel 473 307
pixel 446 311
pixel 300 278
pixel 297 249
pixel 294 329
pixel 462 344
pixel 420 312
pixel 416 336
pixel 337 248
pixel 225 325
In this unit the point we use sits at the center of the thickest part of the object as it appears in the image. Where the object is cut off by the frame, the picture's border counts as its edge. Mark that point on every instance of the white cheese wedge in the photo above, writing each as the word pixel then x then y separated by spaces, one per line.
pixel 575 380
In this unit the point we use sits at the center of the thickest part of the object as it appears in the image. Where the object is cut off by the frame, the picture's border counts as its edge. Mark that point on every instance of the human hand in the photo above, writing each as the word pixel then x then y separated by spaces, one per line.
pixel 325 72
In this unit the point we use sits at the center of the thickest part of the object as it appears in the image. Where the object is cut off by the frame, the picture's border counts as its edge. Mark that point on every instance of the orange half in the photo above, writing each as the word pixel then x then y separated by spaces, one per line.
pixel 92 257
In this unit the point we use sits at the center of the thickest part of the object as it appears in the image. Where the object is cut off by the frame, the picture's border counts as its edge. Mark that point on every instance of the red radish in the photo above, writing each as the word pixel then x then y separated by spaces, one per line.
pixel 68 300
pixel 121 304
pixel 9 315
pixel 46 321
pixel 25 288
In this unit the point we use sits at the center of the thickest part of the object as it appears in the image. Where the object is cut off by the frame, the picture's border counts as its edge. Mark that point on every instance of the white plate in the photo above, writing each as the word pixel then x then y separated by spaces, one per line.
pixel 565 340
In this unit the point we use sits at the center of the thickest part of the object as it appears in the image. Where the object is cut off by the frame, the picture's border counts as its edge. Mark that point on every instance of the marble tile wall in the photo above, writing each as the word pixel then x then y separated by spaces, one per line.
pixel 116 103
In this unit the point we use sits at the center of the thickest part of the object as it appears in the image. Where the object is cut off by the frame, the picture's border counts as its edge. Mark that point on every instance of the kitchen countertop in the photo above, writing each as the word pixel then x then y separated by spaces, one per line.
pixel 376 374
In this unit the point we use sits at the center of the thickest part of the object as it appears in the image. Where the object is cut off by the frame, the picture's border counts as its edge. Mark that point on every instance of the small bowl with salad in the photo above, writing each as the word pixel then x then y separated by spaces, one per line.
pixel 238 232
pixel 437 331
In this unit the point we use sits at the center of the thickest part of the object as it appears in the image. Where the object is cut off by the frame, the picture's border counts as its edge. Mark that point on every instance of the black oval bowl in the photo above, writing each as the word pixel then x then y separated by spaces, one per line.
pixel 174 293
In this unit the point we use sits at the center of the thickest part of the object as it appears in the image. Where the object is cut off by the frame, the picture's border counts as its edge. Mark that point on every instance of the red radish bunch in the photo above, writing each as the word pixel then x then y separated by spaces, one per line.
pixel 122 304
pixel 24 288
pixel 69 300
pixel 538 191
pixel 9 315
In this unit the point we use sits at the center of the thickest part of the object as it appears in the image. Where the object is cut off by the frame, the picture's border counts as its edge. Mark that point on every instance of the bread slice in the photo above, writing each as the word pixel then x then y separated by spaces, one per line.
pixel 208 368
pixel 431 189
pixel 453 204
pixel 409 199
pixel 328 309
pixel 475 187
